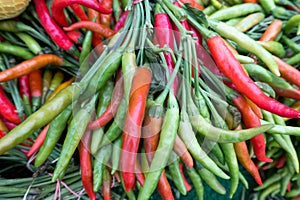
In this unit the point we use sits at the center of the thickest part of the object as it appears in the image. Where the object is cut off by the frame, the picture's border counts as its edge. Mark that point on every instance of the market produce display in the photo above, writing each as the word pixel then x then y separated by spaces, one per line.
pixel 148 99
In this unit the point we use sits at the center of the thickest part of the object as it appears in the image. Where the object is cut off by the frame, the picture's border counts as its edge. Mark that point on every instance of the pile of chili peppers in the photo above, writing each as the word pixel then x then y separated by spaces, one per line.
pixel 151 96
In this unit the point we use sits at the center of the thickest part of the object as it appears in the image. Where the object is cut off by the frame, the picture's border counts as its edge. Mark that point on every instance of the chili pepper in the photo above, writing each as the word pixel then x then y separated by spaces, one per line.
pixel 103 102
pixel 59 88
pixel 197 183
pixel 93 26
pixel 35 83
pixel 289 93
pixel 76 129
pixel 167 138
pixel 54 31
pixel 105 19
pixel 211 180
pixel 128 67
pixel 47 77
pixel 185 181
pixel 86 164
pixel 254 108
pixel 268 6
pixel 115 157
pixel 291 44
pixel 96 39
pixel 273 47
pixel 284 184
pixel 139 173
pixel 281 162
pixel 75 36
pixel 250 120
pixel 8 124
pixel 101 159
pixel 130 194
pixel 28 66
pixel 288 72
pixel 2 126
pixel 249 21
pixel 235 11
pixel 38 141
pixel 116 7
pixel 181 150
pixel 8 110
pixel 291 23
pixel 84 54
pixel 106 186
pixel 31 43
pixel 134 117
pixel 56 128
pixel 59 5
pixel 55 82
pixel 244 83
pixel 193 4
pixel 24 90
pixel 121 21
pixel 272 31
pixel 79 12
pixel 175 173
pixel 250 1
pixel 8 48
pixel 294 59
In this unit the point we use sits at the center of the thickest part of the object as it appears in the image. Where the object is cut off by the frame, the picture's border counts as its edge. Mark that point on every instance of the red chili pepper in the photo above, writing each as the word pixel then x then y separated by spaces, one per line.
pixel 231 68
pixel 59 5
pixel 79 12
pixel 23 82
pixel 36 88
pixel 251 120
pixel 54 31
pixel 196 34
pixel 105 19
pixel 288 187
pixel 244 158
pixel 165 37
pixel 9 125
pixel 38 141
pixel 250 1
pixel 2 134
pixel 186 183
pixel 106 185
pixel 255 108
pixel 281 162
pixel 164 188
pixel 2 126
pixel 93 26
pixel 111 110
pixel 181 150
pixel 7 109
pixel 75 36
pixel 288 72
pixel 121 22
pixel 139 173
pixel 292 93
pixel 86 164
pixel 132 126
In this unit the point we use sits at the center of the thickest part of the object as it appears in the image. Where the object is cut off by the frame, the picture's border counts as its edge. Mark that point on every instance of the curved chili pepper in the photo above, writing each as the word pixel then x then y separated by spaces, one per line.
pixel 121 22
pixel 59 5
pixel 8 110
pixel 38 141
pixel 292 93
pixel 197 183
pixel 250 120
pixel 93 26
pixel 185 181
pixel 272 31
pixel 86 164
pixel 75 36
pixel 15 50
pixel 111 110
pixel 255 108
pixel 132 126
pixel 28 66
pixel 54 31
pixel 60 87
pixel 106 186
pixel 24 90
pixel 36 84
pixel 139 173
pixel 96 39
pixel 231 68
pixel 288 72
pixel 193 4
pixel 181 150
pixel 105 19
pixel 79 12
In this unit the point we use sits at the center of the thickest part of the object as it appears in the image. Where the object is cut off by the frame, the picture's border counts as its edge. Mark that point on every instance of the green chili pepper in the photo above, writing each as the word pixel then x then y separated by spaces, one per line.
pixel 291 23
pixel 128 69
pixel 273 47
pixel 291 44
pixel 244 59
pixel 55 82
pixel 86 50
pixel 209 10
pixel 8 48
pixel 175 173
pixel 294 59
pixel 104 100
pixel 31 43
pixel 56 128
pixel 116 9
pixel 235 11
pixel 247 43
pixel 76 129
pixel 284 182
pixel 197 183
pixel 249 21
pixel 115 157
pixel 101 159
pixel 268 5
pixel 269 190
pixel 165 146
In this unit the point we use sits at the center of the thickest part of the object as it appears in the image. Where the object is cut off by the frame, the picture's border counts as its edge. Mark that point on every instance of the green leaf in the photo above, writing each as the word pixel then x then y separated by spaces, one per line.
pixel 196 14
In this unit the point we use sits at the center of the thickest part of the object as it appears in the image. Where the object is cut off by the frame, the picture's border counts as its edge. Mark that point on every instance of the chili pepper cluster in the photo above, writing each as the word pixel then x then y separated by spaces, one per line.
pixel 151 96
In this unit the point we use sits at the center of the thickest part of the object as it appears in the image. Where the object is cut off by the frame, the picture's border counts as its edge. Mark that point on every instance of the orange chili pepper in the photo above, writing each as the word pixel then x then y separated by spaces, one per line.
pixel 272 31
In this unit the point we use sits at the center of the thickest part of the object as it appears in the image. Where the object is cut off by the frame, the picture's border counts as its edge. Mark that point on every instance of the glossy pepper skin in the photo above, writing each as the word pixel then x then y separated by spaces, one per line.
pixel 133 122
pixel 231 68
pixel 8 110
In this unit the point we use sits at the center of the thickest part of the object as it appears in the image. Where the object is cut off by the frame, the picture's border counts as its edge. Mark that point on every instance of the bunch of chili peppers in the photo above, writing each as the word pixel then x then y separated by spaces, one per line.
pixel 154 95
